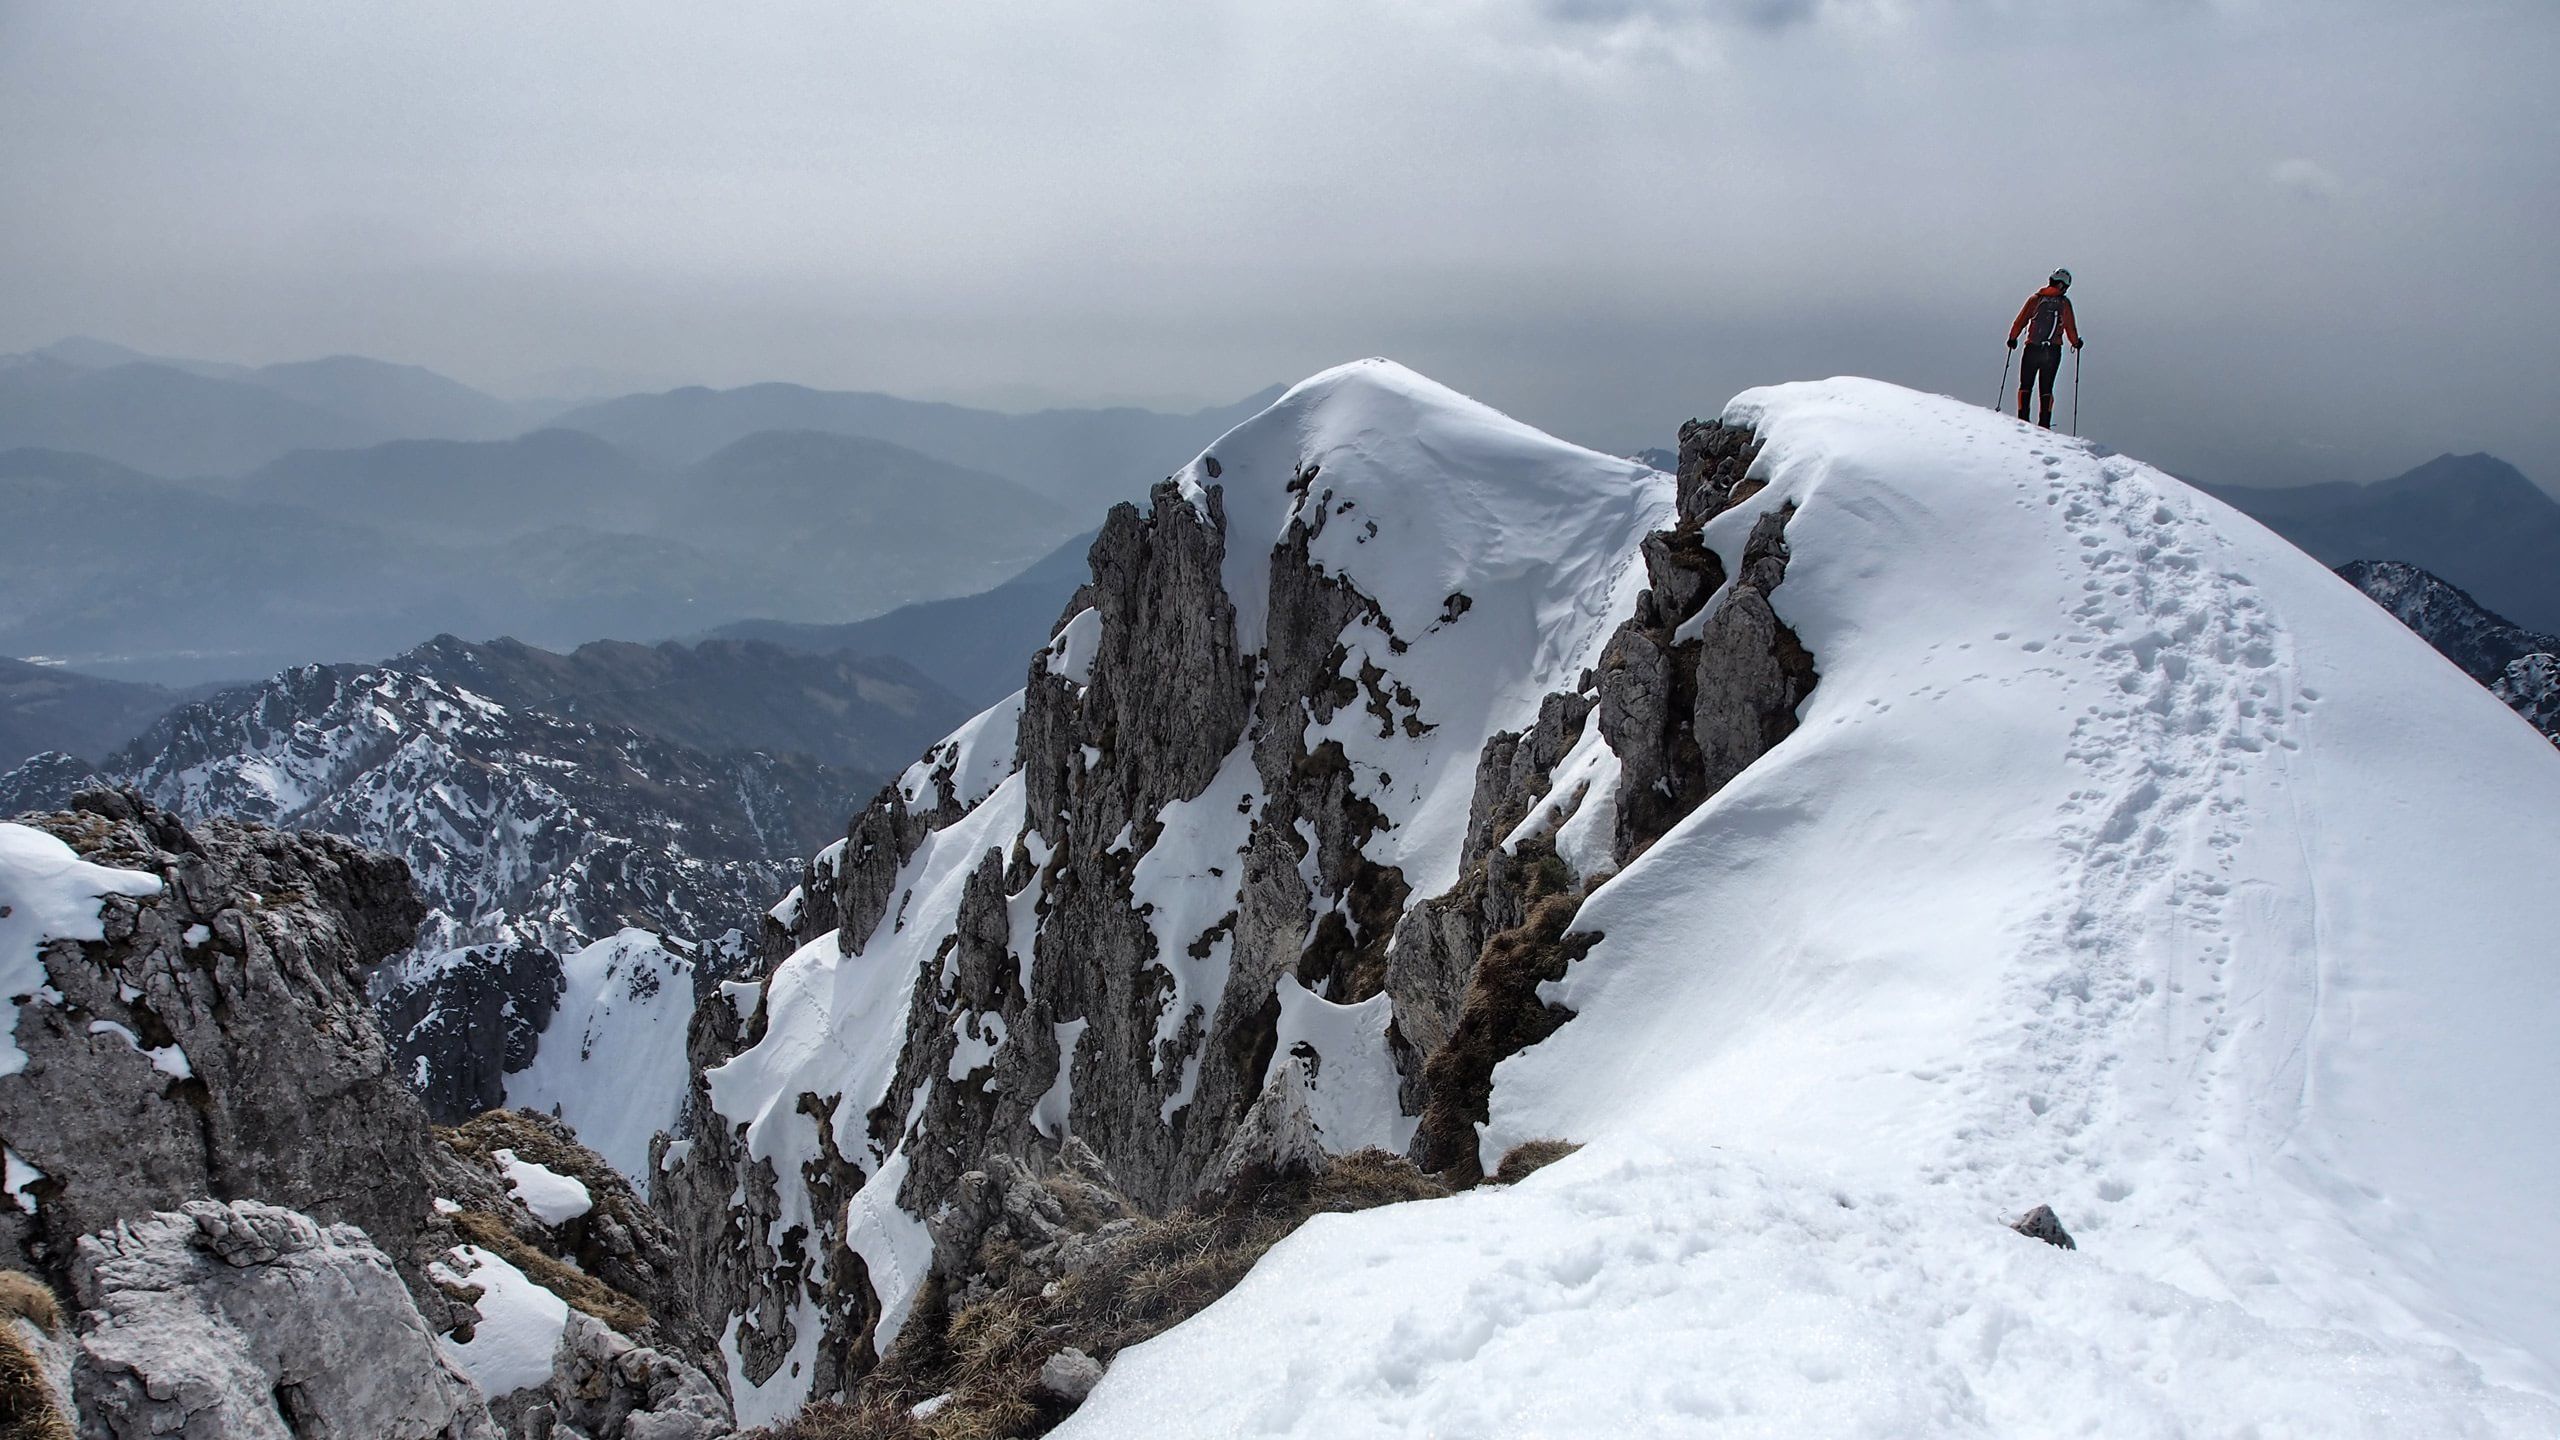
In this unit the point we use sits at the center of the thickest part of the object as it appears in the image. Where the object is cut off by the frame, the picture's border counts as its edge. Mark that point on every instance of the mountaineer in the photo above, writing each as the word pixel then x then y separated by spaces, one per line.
pixel 2047 321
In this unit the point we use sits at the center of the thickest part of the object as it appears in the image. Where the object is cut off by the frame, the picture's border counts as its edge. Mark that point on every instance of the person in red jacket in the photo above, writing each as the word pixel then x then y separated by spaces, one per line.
pixel 2046 321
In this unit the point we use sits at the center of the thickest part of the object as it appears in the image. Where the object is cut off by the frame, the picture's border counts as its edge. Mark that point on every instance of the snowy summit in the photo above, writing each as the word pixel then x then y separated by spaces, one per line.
pixel 2125 860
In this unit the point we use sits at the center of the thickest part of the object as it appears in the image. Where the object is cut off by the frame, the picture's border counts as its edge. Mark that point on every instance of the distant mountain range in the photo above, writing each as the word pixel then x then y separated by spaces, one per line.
pixel 862 714
pixel 1083 459
pixel 183 418
pixel 188 521
pixel 973 645
pixel 555 537
pixel 46 707
pixel 519 825
pixel 2473 519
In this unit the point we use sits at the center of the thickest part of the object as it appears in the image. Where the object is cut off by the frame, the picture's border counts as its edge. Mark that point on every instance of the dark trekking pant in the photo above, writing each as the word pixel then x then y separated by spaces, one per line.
pixel 2043 367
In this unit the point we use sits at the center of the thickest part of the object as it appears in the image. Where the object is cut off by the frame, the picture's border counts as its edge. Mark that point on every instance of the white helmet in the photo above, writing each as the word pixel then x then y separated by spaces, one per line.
pixel 2061 278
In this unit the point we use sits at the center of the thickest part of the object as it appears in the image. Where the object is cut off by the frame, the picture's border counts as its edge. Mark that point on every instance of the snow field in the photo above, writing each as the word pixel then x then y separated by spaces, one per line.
pixel 554 1198
pixel 1674 1290
pixel 612 1064
pixel 520 1323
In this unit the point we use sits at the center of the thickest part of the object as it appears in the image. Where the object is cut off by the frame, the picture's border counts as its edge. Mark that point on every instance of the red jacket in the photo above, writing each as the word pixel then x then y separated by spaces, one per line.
pixel 2027 312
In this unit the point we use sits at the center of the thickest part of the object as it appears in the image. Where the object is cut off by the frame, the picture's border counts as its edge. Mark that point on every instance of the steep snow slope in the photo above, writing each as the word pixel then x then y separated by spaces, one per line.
pixel 612 1062
pixel 2125 860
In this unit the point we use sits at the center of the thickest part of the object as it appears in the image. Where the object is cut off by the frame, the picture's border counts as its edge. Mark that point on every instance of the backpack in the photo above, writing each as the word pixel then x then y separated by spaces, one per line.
pixel 2046 327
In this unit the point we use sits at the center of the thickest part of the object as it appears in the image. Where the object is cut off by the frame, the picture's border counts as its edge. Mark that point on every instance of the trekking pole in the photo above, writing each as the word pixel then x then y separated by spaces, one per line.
pixel 2075 392
pixel 2000 402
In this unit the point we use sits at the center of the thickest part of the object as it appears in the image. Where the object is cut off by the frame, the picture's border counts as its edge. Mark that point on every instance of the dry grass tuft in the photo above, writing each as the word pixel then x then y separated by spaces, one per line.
pixel 29 1298
pixel 28 1409
pixel 987 1355
pixel 585 1291
pixel 1529 1157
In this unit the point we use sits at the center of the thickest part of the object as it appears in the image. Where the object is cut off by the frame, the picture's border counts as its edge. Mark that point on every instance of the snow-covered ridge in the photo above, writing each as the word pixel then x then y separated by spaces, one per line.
pixel 1498 558
pixel 2124 859
pixel 1252 743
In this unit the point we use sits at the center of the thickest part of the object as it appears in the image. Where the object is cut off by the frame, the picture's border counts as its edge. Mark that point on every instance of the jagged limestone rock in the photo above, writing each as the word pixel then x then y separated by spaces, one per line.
pixel 1714 469
pixel 462 1021
pixel 1070 1375
pixel 1278 1139
pixel 1437 942
pixel 217 1041
pixel 604 1386
pixel 1006 1217
pixel 2042 1224
pixel 247 1321
pixel 1684 716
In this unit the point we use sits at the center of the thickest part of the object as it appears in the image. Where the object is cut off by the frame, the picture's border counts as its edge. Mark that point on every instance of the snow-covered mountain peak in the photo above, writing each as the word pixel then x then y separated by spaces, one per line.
pixel 1492 560
pixel 1420 495
pixel 2123 859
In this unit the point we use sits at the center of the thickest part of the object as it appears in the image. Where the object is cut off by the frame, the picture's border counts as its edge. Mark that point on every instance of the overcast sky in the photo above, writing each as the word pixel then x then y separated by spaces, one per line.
pixel 2313 237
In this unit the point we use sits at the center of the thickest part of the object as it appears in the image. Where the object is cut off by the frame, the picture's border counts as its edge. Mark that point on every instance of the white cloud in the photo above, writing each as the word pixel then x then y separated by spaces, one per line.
pixel 2308 178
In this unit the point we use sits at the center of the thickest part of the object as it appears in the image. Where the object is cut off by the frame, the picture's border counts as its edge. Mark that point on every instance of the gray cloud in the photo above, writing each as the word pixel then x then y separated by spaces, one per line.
pixel 1757 14
pixel 2307 178
pixel 1605 217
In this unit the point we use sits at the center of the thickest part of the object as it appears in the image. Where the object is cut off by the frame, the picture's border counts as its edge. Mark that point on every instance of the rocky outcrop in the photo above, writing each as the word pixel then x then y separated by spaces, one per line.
pixel 609 1237
pixel 2531 687
pixel 603 1386
pixel 1276 1142
pixel 2042 1224
pixel 1702 680
pixel 1436 945
pixel 216 1042
pixel 632 1358
pixel 243 1319
pixel 460 1022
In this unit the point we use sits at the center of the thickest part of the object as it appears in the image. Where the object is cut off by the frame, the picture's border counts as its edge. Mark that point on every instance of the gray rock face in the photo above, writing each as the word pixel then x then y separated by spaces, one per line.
pixel 2531 687
pixel 245 1321
pixel 461 1022
pixel 2042 1224
pixel 1714 469
pixel 618 1242
pixel 1070 1375
pixel 605 1387
pixel 1278 1139
pixel 254 1068
pixel 1687 715
pixel 1054 1225
pixel 1437 942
